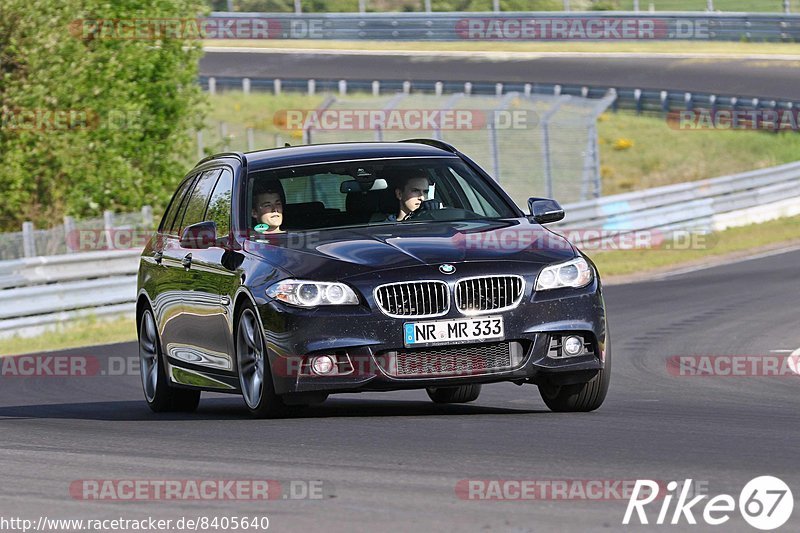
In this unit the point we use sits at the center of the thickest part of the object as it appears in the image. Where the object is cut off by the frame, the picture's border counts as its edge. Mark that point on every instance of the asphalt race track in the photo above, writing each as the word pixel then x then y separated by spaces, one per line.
pixel 738 77
pixel 392 461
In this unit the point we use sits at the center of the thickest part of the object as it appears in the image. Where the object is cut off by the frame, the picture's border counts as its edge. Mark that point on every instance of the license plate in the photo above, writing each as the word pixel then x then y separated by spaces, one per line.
pixel 455 331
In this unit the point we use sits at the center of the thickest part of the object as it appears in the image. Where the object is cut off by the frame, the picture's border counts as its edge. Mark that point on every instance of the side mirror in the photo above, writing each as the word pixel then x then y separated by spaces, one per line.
pixel 545 210
pixel 199 236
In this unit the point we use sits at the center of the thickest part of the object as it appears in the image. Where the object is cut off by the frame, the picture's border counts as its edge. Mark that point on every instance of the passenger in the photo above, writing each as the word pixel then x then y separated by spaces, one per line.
pixel 410 192
pixel 268 201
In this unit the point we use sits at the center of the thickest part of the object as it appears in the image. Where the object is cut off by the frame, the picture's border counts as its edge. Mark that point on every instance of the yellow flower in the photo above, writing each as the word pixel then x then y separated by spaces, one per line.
pixel 622 144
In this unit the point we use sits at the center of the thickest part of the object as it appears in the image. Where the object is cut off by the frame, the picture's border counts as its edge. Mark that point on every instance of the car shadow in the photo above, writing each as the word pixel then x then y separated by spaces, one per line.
pixel 234 409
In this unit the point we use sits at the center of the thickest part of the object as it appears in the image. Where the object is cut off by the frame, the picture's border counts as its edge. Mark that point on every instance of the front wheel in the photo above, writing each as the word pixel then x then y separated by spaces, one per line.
pixel 158 394
pixel 460 394
pixel 582 397
pixel 255 377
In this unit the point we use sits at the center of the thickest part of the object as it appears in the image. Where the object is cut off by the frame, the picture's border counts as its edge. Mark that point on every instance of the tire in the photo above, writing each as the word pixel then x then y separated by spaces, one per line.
pixel 252 364
pixel 158 393
pixel 583 397
pixel 460 394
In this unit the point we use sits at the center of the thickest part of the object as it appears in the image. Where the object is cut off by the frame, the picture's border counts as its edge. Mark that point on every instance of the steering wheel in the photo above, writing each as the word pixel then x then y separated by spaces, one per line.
pixel 426 207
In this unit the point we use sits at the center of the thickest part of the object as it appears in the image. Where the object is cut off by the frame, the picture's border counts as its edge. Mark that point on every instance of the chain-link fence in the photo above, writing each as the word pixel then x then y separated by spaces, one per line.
pixel 534 145
pixel 113 231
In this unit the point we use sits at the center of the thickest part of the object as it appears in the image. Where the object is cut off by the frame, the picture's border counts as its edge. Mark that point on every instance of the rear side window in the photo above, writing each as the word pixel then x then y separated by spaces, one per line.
pixel 196 207
pixel 168 221
pixel 219 207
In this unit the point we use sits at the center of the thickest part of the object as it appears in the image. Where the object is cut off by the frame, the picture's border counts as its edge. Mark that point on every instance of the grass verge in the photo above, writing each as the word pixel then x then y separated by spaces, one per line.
pixel 88 332
pixel 732 242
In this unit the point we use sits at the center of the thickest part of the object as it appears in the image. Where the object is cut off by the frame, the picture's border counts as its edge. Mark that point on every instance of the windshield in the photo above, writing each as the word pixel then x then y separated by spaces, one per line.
pixel 360 193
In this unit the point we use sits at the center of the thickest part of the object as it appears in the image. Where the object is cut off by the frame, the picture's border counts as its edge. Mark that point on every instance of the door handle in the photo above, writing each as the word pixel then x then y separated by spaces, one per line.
pixel 158 257
pixel 187 261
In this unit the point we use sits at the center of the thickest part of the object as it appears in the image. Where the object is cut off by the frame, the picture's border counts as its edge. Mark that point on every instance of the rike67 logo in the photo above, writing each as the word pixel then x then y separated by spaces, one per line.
pixel 765 502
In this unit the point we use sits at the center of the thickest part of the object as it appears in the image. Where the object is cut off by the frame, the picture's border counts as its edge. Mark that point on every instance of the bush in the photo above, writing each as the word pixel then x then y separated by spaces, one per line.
pixel 92 123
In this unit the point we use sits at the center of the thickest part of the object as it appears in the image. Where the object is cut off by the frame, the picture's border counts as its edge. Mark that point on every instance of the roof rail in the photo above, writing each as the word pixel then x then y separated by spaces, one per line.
pixel 238 155
pixel 433 142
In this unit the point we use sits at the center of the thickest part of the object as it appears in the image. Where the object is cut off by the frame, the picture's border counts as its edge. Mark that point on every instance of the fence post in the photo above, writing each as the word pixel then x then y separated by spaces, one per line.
pixel 312 87
pixel 298 6
pixel 108 228
pixel 637 96
pixel 498 89
pixel 147 216
pixel 376 88
pixel 467 88
pixel 223 133
pixel 428 6
pixel 276 86
pixel 246 85
pixel 251 141
pixel 28 241
pixel 406 87
pixel 496 6
pixel 342 87
pixel 212 85
pixel 70 237
pixel 437 88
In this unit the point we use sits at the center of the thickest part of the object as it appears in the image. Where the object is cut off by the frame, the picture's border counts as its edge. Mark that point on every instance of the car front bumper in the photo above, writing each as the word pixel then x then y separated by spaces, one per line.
pixel 368 345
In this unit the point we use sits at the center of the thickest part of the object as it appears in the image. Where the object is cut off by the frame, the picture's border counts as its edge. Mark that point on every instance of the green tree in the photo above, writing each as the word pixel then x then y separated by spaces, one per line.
pixel 94 115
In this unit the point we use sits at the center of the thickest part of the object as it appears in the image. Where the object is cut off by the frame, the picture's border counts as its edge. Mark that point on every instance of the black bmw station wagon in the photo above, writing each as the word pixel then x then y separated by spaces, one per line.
pixel 289 274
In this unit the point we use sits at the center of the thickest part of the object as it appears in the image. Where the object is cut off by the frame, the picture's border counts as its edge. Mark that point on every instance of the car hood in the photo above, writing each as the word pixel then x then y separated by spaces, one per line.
pixel 339 253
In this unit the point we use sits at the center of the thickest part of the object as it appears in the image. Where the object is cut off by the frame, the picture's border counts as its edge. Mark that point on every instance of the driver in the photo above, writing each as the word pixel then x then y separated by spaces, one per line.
pixel 410 192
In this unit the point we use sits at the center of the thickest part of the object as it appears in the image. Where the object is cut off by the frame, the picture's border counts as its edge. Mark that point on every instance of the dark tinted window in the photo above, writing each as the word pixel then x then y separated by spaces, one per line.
pixel 174 207
pixel 219 207
pixel 196 207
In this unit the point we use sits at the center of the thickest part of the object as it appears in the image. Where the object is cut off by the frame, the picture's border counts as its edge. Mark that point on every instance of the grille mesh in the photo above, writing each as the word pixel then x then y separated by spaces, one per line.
pixel 414 299
pixel 488 293
pixel 450 360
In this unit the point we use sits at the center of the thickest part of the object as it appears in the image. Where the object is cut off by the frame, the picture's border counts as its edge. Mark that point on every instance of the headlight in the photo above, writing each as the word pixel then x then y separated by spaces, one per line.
pixel 303 293
pixel 576 273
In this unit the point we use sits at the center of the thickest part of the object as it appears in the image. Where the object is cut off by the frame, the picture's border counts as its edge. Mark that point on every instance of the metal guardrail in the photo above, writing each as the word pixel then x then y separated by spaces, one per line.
pixel 642 101
pixel 37 293
pixel 539 26
pixel 707 205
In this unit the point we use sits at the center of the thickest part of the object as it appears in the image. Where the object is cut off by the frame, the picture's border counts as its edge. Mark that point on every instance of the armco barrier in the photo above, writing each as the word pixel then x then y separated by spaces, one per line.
pixel 547 26
pixel 642 101
pixel 37 293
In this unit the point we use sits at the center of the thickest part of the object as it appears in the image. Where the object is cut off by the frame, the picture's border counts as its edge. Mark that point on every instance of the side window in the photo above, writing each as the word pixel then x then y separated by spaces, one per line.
pixel 478 203
pixel 174 207
pixel 219 207
pixel 196 207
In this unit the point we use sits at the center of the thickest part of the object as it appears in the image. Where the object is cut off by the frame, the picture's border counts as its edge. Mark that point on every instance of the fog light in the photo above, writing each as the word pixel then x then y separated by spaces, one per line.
pixel 573 345
pixel 322 365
